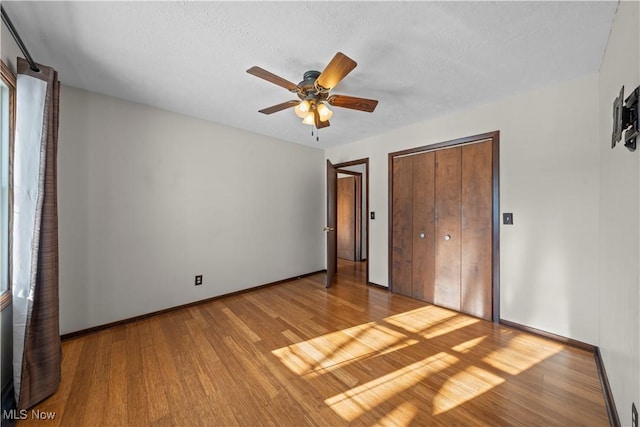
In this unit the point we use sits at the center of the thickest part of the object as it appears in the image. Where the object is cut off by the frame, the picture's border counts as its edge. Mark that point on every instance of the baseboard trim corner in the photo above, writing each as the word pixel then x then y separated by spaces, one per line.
pixel 612 412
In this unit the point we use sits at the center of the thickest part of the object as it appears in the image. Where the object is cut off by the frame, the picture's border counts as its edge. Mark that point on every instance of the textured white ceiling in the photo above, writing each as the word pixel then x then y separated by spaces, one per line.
pixel 419 59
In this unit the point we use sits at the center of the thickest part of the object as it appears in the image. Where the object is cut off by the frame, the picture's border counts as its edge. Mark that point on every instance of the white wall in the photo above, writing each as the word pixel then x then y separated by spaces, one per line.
pixel 148 199
pixel 619 219
pixel 548 179
pixel 9 48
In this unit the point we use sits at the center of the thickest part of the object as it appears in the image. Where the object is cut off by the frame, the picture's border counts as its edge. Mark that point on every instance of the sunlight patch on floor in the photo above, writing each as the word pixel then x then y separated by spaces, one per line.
pixel 526 355
pixel 430 321
pixel 354 402
pixel 464 386
pixel 330 351
pixel 466 346
pixel 399 416
pixel 420 319
pixel 448 326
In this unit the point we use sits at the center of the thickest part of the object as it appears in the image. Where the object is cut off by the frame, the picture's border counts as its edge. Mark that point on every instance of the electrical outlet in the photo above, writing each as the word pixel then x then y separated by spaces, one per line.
pixel 198 280
pixel 634 415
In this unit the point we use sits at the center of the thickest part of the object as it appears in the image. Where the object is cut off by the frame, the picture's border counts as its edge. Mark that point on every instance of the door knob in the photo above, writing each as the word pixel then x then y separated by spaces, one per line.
pixel 327 229
pixel 447 237
pixel 422 235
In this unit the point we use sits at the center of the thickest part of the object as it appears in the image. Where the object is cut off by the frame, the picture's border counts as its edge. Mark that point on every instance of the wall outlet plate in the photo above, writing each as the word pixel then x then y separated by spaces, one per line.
pixel 198 280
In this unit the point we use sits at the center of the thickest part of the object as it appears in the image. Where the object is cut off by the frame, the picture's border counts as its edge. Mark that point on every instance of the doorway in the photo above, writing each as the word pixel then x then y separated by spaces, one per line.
pixel 350 221
pixel 443 228
pixel 352 230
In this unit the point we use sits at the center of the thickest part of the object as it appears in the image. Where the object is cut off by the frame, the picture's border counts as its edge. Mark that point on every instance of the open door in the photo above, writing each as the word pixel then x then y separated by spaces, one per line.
pixel 330 229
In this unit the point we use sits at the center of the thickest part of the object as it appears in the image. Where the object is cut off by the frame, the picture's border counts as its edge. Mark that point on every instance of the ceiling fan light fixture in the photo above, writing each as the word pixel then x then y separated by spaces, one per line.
pixel 314 92
pixel 324 112
pixel 302 109
pixel 309 119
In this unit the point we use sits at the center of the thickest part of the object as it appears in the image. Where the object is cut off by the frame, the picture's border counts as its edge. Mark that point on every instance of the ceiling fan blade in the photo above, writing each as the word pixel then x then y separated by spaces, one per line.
pixel 336 70
pixel 279 107
pixel 352 102
pixel 270 77
pixel 319 123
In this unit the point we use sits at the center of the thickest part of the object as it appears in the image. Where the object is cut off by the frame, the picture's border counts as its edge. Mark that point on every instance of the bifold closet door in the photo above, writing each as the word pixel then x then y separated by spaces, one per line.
pixel 423 213
pixel 447 228
pixel 413 226
pixel 477 230
pixel 402 225
pixel 442 232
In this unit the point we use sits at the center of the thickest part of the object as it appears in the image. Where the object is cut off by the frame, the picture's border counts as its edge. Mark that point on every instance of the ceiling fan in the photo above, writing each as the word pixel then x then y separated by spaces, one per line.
pixel 313 92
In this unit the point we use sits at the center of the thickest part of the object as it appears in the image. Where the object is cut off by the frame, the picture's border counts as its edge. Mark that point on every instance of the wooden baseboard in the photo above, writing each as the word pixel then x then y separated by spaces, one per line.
pixel 564 340
pixel 95 329
pixel 612 412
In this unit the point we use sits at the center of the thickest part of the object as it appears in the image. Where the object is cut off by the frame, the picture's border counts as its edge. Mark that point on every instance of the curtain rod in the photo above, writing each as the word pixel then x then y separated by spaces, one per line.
pixel 16 37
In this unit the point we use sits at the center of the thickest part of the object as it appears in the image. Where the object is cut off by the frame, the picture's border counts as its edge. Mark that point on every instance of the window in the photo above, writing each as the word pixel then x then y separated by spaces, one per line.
pixel 7 123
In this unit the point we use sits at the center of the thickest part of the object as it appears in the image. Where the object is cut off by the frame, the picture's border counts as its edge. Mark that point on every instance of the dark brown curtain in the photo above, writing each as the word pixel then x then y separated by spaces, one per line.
pixel 41 358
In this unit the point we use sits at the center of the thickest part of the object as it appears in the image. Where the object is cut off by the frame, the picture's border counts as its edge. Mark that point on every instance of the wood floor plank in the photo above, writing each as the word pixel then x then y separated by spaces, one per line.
pixel 298 354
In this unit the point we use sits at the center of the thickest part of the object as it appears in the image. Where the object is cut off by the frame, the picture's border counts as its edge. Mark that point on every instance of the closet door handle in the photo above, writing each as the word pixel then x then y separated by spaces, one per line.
pixel 447 237
pixel 422 235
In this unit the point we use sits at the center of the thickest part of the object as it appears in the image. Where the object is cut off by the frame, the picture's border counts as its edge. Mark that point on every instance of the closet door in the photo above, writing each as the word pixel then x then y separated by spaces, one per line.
pixel 402 225
pixel 477 230
pixel 442 228
pixel 423 226
pixel 447 228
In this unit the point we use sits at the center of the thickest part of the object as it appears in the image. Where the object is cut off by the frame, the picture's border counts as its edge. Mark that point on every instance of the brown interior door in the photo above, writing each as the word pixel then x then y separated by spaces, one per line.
pixel 477 230
pixel 330 228
pixel 423 227
pixel 402 226
pixel 447 228
pixel 346 232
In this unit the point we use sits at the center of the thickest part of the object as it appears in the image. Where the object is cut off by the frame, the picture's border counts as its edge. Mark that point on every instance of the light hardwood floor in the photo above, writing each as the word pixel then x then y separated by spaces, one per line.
pixel 298 354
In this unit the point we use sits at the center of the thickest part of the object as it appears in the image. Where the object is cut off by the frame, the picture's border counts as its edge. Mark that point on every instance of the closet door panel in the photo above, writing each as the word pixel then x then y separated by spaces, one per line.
pixel 477 229
pixel 447 228
pixel 423 227
pixel 402 225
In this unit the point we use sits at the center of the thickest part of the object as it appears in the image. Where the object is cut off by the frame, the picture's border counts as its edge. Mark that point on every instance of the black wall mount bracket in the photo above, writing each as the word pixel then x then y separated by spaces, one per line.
pixel 626 119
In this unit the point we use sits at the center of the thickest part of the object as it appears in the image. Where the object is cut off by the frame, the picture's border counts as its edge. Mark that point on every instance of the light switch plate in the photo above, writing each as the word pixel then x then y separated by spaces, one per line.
pixel 507 218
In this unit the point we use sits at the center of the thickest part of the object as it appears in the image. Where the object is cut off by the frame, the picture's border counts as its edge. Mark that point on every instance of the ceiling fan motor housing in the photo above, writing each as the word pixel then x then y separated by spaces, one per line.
pixel 307 87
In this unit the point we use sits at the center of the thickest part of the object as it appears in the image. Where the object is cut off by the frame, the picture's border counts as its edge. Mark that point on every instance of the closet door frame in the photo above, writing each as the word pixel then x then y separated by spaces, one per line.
pixel 495 265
